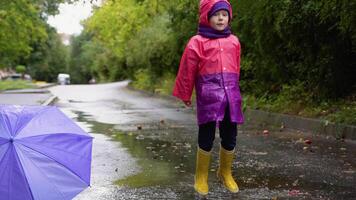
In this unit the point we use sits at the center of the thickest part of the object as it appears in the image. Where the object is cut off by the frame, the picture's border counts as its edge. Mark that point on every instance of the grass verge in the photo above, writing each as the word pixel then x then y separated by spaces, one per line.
pixel 15 84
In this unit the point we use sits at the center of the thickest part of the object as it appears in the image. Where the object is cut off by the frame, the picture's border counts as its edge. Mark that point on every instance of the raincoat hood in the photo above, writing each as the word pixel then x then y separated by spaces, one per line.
pixel 205 7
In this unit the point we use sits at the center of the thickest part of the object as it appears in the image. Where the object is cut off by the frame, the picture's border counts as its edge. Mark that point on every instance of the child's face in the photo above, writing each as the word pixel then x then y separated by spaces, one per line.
pixel 220 20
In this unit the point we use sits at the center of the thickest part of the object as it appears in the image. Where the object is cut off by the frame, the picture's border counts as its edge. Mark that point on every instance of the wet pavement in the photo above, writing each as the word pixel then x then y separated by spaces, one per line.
pixel 38 96
pixel 24 98
pixel 144 148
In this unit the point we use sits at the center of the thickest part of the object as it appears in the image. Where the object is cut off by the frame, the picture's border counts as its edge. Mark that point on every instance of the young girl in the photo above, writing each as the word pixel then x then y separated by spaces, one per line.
pixel 211 63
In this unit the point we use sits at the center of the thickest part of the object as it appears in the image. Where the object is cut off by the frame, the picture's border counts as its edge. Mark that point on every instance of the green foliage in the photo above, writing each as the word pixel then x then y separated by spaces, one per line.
pixel 143 80
pixel 132 35
pixel 184 17
pixel 111 27
pixel 47 59
pixel 20 26
pixel 20 69
pixel 294 100
pixel 308 41
pixel 342 112
pixel 27 39
pixel 283 41
pixel 81 65
pixel 153 47
pixel 165 84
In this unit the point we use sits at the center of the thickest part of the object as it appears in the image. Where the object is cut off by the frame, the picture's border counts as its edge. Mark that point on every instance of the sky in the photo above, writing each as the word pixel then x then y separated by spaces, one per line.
pixel 68 20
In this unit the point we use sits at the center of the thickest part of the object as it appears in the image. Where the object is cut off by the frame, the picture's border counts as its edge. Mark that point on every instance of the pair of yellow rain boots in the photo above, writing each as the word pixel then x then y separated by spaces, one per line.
pixel 224 172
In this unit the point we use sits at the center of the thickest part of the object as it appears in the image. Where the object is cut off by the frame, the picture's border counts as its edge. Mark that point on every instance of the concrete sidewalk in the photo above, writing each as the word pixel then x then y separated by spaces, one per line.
pixel 38 96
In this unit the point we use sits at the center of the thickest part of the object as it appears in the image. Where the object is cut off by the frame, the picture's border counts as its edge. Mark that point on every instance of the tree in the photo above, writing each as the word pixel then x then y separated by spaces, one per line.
pixel 310 41
pixel 20 27
pixel 23 25
pixel 20 69
pixel 48 59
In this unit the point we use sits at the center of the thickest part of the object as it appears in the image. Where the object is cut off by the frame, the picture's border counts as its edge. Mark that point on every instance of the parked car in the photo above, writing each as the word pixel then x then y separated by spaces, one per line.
pixel 27 77
pixel 14 77
pixel 63 79
pixel 17 76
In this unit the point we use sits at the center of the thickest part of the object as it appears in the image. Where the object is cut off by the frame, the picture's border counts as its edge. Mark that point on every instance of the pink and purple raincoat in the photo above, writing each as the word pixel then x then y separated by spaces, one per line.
pixel 213 67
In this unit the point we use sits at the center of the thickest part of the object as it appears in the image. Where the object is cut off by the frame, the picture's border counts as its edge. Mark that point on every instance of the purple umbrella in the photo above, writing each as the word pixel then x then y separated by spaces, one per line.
pixel 43 154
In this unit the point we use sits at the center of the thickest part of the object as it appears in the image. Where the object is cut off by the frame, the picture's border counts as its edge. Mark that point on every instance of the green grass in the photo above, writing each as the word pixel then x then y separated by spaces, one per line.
pixel 338 111
pixel 15 84
pixel 144 81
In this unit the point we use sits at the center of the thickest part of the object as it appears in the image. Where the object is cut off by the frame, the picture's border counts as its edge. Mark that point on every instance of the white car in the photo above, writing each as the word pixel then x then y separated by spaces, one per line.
pixel 63 79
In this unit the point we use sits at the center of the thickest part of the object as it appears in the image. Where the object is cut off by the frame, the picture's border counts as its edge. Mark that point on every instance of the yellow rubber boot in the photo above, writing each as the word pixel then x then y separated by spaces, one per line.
pixel 201 172
pixel 224 171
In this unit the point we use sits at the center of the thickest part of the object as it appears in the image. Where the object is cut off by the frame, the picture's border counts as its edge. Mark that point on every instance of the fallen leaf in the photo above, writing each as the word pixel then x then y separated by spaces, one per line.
pixel 140 137
pixel 259 153
pixel 293 192
pixel 299 141
pixel 149 148
pixel 295 183
pixel 307 141
pixel 139 127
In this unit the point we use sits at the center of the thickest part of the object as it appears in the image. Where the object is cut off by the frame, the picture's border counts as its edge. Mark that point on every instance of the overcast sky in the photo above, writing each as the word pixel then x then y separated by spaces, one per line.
pixel 68 20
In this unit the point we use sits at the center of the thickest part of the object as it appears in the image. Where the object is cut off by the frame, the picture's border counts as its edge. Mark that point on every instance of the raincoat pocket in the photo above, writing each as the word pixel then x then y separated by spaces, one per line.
pixel 208 95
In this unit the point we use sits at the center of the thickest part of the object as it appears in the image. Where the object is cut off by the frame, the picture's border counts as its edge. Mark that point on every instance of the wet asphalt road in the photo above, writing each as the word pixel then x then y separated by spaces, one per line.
pixel 144 148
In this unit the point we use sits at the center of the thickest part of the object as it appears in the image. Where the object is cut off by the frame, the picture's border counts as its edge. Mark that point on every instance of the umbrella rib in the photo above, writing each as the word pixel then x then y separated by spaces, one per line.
pixel 23 170
pixel 53 185
pixel 56 161
pixel 8 189
pixel 4 155
pixel 17 121
pixel 84 136
pixel 6 124
pixel 38 114
pixel 87 137
pixel 10 181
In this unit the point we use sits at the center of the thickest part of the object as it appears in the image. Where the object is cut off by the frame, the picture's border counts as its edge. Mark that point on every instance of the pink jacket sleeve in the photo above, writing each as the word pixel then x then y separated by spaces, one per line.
pixel 187 73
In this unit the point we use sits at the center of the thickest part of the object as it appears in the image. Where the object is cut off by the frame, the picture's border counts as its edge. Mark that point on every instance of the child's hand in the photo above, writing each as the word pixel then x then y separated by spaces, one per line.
pixel 188 103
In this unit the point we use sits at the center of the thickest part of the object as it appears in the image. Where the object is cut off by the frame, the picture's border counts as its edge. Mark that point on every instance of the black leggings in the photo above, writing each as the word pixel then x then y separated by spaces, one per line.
pixel 227 129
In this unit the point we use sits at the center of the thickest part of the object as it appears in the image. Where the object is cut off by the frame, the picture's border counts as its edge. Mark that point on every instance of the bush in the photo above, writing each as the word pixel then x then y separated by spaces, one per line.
pixel 20 69
pixel 307 41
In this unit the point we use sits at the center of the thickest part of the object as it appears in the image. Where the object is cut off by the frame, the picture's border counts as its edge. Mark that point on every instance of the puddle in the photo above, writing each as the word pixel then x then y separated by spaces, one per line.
pixel 165 158
pixel 161 162
pixel 162 158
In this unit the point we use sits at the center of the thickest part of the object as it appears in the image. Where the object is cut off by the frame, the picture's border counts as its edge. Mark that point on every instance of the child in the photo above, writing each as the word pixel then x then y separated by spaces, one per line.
pixel 211 63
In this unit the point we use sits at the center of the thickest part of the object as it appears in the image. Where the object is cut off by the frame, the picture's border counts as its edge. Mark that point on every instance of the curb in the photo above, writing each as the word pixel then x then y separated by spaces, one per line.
pixel 46 85
pixel 314 126
pixel 50 101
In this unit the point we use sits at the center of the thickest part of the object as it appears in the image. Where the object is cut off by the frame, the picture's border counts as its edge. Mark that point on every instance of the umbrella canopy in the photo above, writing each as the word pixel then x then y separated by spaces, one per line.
pixel 43 154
